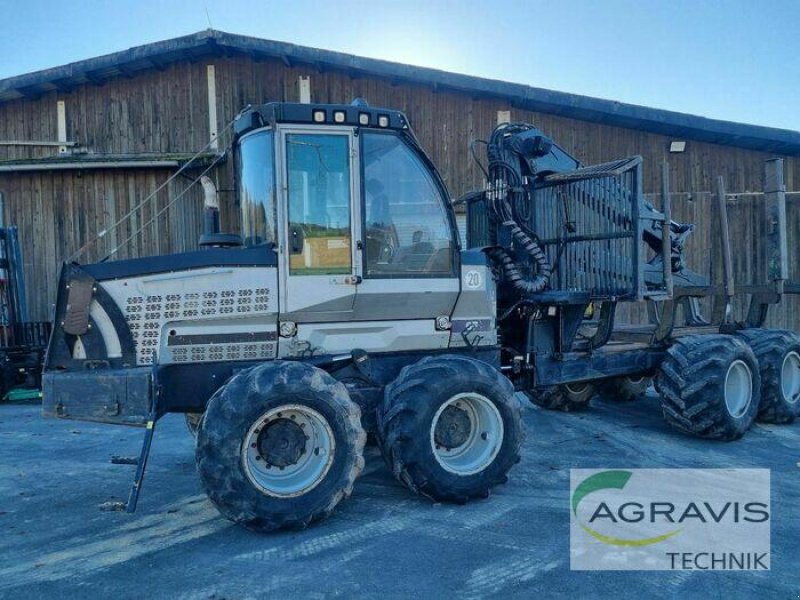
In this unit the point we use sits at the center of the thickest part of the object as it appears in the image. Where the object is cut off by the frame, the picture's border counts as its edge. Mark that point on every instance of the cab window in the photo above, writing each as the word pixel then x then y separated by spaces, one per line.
pixel 407 233
pixel 319 191
pixel 256 181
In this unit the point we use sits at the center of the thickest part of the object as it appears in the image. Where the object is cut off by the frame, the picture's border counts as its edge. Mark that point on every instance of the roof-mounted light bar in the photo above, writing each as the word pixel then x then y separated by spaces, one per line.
pixel 335 114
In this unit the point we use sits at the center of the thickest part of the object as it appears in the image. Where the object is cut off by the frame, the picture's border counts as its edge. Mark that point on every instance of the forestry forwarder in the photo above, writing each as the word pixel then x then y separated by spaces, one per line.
pixel 348 306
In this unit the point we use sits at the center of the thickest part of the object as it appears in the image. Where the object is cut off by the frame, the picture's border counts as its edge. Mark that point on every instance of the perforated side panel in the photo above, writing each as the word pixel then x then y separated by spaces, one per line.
pixel 147 315
pixel 214 352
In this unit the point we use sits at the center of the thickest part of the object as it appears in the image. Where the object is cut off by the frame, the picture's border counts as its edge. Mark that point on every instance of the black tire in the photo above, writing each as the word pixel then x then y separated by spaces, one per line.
pixel 568 397
pixel 411 415
pixel 624 389
pixel 692 383
pixel 193 422
pixel 777 352
pixel 232 417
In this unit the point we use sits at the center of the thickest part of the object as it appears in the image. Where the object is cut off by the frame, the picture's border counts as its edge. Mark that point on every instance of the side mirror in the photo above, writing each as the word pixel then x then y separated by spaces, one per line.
pixel 296 238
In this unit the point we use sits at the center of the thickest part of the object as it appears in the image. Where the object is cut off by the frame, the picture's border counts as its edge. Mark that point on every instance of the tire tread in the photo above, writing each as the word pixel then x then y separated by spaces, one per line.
pixel 232 403
pixel 398 419
pixel 690 386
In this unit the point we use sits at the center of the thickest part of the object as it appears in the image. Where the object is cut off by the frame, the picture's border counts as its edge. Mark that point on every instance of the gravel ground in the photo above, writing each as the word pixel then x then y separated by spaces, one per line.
pixel 383 542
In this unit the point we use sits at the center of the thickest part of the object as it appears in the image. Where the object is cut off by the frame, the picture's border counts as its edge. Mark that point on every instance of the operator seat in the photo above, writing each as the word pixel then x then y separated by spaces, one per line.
pixel 414 257
pixel 381 236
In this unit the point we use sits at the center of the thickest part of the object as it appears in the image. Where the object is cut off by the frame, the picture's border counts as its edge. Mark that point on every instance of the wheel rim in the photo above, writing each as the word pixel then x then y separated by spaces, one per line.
pixel 738 388
pixel 790 377
pixel 466 434
pixel 288 451
pixel 576 388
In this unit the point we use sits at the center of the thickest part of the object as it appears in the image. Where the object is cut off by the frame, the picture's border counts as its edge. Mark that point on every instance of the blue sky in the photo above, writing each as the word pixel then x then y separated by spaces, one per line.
pixel 737 60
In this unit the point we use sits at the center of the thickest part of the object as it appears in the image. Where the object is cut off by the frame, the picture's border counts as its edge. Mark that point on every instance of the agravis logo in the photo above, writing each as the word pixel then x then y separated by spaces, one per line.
pixel 603 481
pixel 705 519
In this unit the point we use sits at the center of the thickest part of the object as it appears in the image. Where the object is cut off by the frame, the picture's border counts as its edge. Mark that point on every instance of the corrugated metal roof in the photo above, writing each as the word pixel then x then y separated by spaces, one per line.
pixel 158 55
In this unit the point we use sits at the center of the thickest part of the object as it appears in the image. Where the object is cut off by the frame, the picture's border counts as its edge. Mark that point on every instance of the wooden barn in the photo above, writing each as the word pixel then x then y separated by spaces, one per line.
pixel 83 144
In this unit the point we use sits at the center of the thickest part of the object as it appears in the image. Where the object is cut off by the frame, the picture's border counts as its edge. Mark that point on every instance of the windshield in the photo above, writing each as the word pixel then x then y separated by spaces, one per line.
pixel 407 231
pixel 256 180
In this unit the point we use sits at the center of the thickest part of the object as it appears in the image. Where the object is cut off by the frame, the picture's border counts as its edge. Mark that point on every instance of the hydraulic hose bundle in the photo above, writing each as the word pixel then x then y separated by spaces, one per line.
pixel 507 193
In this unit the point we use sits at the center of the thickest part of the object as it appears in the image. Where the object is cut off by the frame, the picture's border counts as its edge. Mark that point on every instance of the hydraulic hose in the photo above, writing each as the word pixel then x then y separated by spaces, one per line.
pixel 513 274
pixel 505 174
pixel 534 250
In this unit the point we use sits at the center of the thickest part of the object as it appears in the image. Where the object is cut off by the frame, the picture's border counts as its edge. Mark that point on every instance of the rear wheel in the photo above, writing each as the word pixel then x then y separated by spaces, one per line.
pixel 567 397
pixel 280 446
pixel 450 428
pixel 624 389
pixel 710 386
pixel 778 355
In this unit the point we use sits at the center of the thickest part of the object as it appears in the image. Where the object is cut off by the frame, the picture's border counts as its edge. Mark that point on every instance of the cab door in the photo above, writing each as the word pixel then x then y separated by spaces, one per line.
pixel 409 248
pixel 319 262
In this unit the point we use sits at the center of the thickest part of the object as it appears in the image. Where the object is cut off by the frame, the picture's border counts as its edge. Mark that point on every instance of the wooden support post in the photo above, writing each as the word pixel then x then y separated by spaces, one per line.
pixel 304 89
pixel 212 106
pixel 61 118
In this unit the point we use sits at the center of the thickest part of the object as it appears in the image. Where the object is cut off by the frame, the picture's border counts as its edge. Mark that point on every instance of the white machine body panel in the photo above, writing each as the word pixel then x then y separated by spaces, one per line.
pixel 215 313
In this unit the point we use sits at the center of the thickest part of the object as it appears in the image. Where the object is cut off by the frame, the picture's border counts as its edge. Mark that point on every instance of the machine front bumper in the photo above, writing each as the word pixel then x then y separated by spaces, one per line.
pixel 122 397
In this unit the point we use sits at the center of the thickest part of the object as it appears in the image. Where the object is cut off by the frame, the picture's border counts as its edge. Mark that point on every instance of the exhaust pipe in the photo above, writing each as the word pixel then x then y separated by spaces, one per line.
pixel 210 207
pixel 211 237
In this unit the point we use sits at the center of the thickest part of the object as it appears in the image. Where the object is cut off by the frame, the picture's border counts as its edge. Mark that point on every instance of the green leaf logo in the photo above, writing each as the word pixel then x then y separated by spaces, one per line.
pixel 606 480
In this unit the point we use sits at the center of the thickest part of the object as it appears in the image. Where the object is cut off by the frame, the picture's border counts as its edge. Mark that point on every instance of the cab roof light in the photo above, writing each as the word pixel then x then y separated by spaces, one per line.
pixel 363 118
pixel 338 116
pixel 319 116
pixel 383 120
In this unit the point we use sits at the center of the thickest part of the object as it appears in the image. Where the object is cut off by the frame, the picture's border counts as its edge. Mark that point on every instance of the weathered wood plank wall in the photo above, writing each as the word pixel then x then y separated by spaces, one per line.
pixel 63 209
pixel 167 112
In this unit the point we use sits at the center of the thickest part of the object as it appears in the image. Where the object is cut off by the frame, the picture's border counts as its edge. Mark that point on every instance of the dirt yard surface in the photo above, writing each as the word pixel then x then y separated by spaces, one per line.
pixel 382 543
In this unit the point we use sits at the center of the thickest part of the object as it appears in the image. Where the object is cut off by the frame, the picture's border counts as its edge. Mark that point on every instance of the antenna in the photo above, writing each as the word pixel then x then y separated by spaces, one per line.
pixel 210 26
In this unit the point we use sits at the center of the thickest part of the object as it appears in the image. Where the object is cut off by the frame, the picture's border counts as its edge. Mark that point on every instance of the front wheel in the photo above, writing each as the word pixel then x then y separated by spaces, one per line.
pixel 280 446
pixel 450 428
